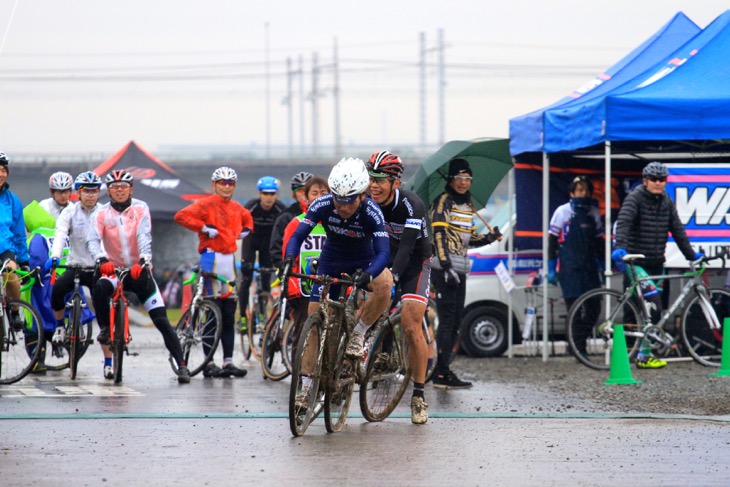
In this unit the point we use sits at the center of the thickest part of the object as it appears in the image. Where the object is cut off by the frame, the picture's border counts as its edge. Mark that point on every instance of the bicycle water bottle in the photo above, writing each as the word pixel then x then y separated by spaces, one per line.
pixel 529 318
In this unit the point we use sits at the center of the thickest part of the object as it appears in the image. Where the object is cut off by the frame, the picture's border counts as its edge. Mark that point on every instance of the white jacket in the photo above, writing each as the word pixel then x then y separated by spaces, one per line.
pixel 72 224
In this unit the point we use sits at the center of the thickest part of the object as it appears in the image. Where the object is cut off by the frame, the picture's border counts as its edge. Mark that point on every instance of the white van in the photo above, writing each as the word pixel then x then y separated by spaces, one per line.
pixel 484 324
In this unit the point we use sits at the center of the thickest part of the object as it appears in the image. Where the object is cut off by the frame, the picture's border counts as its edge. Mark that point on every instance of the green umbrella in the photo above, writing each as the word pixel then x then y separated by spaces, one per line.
pixel 488 158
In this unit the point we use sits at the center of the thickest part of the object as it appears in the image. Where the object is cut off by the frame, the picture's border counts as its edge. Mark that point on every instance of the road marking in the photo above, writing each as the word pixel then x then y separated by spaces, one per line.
pixel 65 391
pixel 403 416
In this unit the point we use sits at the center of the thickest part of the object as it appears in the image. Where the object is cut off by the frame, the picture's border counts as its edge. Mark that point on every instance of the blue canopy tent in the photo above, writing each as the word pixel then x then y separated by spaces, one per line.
pixel 575 132
pixel 530 134
pixel 526 131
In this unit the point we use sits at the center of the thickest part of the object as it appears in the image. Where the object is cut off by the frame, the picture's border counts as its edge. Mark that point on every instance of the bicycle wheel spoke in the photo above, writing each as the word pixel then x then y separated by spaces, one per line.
pixel 22 344
pixel 591 322
pixel 701 341
pixel 387 377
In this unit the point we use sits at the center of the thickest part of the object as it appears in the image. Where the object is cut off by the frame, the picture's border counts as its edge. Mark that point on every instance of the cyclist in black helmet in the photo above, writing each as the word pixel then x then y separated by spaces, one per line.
pixel 646 218
pixel 298 181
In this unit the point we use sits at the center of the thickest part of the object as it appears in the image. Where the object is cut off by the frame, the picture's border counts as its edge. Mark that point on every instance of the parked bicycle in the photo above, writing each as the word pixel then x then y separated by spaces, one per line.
pixel 277 339
pixel 260 308
pixel 199 328
pixel 78 335
pixel 322 376
pixel 595 314
pixel 21 330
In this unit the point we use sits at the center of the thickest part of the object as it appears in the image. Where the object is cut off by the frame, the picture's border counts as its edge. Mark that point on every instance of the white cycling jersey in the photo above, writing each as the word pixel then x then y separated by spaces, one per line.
pixel 50 205
pixel 72 225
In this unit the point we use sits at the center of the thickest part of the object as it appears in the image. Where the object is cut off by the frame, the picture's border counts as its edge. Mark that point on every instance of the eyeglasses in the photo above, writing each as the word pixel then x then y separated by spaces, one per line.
pixel 463 178
pixel 268 193
pixel 120 185
pixel 226 182
pixel 655 179
pixel 379 181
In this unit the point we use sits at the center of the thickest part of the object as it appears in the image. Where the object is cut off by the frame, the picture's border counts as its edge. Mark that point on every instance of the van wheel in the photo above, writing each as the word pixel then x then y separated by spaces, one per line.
pixel 484 332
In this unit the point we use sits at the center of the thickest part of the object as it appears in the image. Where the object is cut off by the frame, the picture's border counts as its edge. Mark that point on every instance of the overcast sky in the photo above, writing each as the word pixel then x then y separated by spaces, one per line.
pixel 87 75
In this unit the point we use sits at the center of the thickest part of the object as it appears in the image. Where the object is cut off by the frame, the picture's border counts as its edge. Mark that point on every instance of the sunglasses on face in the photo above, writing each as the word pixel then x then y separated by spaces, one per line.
pixel 463 178
pixel 120 186
pixel 226 182
pixel 655 179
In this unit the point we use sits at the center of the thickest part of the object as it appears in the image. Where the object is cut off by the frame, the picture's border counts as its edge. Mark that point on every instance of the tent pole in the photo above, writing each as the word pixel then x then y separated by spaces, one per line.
pixel 608 228
pixel 510 259
pixel 545 223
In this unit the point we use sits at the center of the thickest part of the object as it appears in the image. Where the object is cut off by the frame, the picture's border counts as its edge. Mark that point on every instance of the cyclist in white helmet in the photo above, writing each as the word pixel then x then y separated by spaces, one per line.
pixel 356 240
pixel 220 221
pixel 60 184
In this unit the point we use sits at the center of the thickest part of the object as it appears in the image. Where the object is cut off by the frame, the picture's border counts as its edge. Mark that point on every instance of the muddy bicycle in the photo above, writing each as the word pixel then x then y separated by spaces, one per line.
pixel 594 315
pixel 323 377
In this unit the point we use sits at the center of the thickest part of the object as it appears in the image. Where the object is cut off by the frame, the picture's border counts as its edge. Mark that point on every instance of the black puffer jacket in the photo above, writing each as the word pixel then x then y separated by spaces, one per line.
pixel 643 224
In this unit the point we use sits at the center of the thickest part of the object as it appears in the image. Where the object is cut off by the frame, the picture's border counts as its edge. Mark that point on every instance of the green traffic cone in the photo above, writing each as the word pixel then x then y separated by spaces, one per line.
pixel 725 357
pixel 620 367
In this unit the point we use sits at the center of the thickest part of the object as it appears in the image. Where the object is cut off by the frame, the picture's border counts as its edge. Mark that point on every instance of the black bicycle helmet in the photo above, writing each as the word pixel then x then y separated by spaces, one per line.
pixel 656 170
pixel 300 179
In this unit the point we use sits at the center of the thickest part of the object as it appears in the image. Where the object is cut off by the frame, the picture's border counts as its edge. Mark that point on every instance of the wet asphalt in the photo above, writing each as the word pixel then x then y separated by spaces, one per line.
pixel 153 431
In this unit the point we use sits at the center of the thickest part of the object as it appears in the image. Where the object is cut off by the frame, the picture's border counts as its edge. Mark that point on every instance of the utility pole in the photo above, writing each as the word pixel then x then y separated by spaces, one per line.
pixel 442 87
pixel 314 96
pixel 422 78
pixel 336 95
pixel 289 107
pixel 267 90
pixel 302 97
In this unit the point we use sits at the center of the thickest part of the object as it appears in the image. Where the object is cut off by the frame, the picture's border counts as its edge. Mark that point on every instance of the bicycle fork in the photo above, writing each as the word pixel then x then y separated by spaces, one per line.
pixel 709 312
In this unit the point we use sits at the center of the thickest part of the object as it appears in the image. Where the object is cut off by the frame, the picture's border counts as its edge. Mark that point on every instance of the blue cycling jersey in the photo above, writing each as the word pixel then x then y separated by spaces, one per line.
pixel 360 237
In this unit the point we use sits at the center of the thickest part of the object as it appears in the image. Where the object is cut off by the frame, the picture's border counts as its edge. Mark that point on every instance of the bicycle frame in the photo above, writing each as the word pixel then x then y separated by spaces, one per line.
pixel 693 285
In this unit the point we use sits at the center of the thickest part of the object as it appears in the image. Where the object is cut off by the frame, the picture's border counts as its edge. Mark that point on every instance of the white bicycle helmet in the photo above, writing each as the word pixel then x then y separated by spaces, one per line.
pixel 224 173
pixel 61 181
pixel 348 179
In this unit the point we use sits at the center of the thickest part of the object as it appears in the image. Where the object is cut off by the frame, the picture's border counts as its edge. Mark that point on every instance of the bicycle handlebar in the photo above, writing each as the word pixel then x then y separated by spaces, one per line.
pixel 212 275
pixel 76 267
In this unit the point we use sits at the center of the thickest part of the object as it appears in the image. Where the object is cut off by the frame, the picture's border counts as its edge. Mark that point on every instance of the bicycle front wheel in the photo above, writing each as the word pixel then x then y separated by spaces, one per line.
pixel 22 341
pixel 75 338
pixel 290 344
pixel 118 346
pixel 591 323
pixel 702 341
pixel 305 397
pixel 199 332
pixel 386 377
pixel 338 395
pixel 272 349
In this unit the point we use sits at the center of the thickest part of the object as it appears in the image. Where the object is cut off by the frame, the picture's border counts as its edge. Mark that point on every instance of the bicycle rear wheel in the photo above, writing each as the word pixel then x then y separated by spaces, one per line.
pixel 272 349
pixel 386 377
pixel 260 312
pixel 305 401
pixel 591 323
pixel 75 339
pixel 21 345
pixel 118 346
pixel 338 394
pixel 703 343
pixel 199 333
pixel 429 327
